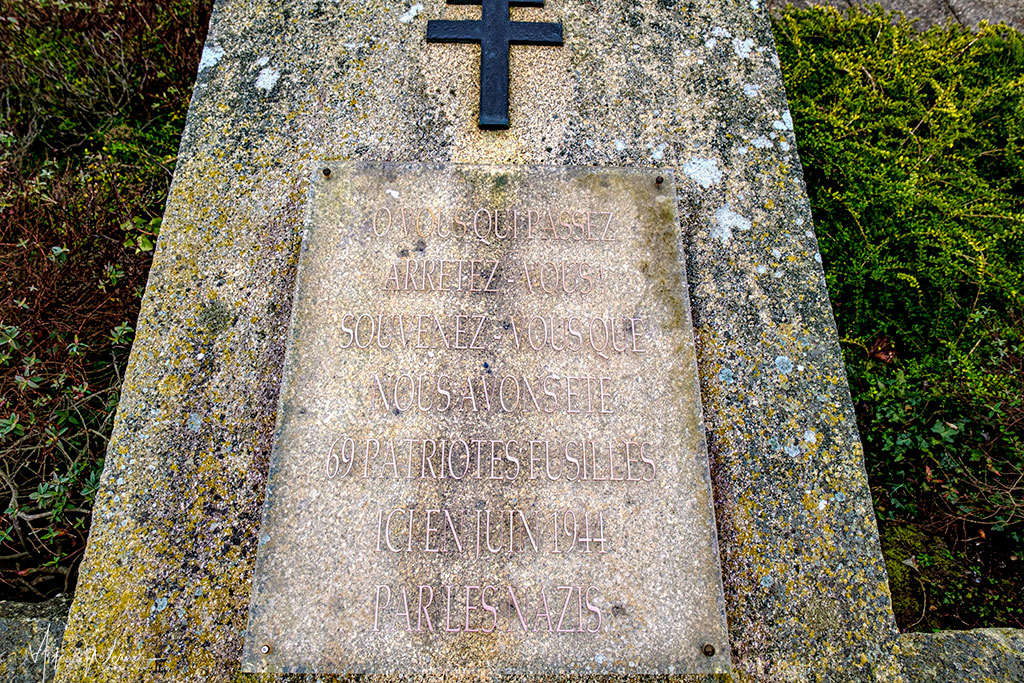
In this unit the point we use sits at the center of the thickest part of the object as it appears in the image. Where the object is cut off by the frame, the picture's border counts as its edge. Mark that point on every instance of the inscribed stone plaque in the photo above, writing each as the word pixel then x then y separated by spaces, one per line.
pixel 489 453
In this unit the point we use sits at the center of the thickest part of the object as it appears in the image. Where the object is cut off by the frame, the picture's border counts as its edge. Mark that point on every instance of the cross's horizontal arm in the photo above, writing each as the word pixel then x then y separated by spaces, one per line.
pixel 449 31
pixel 534 33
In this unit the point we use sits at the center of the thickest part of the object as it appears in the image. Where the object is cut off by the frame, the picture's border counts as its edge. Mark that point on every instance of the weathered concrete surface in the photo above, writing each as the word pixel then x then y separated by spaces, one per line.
pixel 927 13
pixel 990 655
pixel 688 84
pixel 30 637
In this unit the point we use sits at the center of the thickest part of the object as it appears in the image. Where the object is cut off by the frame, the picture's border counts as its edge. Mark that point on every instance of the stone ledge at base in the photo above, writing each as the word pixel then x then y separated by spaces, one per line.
pixel 30 636
pixel 979 656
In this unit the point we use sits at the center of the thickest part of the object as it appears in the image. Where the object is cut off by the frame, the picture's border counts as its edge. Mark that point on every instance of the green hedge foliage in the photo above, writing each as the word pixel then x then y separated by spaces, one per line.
pixel 913 153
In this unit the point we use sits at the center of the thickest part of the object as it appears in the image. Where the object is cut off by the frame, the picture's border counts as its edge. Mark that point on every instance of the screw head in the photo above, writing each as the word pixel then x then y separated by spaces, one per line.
pixel 327 173
pixel 708 650
pixel 266 649
pixel 659 180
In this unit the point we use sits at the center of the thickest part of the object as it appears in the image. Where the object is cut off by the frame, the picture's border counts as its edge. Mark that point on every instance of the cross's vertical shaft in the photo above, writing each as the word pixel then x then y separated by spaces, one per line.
pixel 494 64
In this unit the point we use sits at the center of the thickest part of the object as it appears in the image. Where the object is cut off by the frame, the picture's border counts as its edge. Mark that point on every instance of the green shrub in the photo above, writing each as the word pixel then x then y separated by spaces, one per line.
pixel 92 101
pixel 913 152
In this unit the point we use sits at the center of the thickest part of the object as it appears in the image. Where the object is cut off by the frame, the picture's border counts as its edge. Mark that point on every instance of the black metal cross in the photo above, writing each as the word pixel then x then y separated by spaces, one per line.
pixel 495 32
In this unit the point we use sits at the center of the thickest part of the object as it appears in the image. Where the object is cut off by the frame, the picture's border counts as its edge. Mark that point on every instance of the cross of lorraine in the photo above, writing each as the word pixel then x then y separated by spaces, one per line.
pixel 495 32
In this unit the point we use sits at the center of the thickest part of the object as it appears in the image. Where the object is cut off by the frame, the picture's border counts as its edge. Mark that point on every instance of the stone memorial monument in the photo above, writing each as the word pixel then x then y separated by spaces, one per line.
pixel 501 358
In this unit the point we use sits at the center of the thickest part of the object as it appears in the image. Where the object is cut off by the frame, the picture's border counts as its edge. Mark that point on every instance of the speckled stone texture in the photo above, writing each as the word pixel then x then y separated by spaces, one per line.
pixel 30 639
pixel 690 85
pixel 989 655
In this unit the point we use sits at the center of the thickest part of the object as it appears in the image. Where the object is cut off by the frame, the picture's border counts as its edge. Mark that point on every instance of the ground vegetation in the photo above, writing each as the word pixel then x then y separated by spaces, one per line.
pixel 93 95
pixel 913 151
